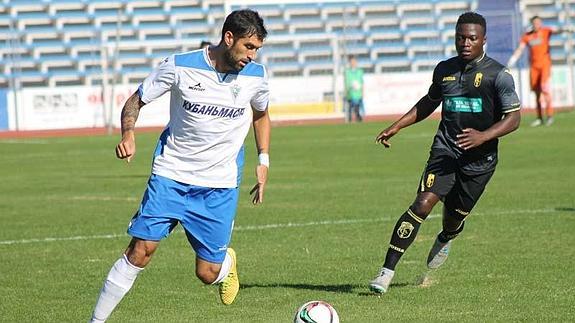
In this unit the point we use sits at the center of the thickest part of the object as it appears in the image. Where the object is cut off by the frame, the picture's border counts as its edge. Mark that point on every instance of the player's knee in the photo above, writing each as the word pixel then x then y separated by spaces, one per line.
pixel 422 206
pixel 207 274
pixel 139 254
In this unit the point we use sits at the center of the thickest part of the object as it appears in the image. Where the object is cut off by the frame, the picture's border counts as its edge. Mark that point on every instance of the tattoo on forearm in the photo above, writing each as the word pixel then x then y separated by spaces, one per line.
pixel 130 114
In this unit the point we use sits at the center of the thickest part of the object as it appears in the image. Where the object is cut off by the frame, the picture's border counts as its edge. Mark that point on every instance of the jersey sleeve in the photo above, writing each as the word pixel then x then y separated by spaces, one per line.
pixel 159 81
pixel 505 90
pixel 260 100
pixel 434 92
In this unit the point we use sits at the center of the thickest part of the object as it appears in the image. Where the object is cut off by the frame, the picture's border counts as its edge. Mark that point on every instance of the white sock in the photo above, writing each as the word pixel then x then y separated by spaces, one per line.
pixel 119 281
pixel 225 270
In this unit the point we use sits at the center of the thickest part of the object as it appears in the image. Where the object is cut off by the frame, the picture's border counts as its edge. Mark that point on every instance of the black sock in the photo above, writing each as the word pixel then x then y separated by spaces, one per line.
pixel 403 235
pixel 445 236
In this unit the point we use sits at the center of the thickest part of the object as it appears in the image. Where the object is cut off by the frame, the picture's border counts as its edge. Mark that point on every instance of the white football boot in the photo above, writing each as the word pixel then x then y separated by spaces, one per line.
pixel 438 254
pixel 380 284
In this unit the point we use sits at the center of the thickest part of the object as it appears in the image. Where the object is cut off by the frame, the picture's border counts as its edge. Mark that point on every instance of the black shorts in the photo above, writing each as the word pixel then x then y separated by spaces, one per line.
pixel 458 191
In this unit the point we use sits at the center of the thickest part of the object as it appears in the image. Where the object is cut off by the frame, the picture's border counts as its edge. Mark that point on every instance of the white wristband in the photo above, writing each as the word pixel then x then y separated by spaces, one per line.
pixel 264 159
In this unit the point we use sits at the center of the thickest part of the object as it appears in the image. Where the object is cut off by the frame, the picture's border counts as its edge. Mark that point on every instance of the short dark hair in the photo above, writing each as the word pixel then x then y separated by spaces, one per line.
pixel 205 43
pixel 245 23
pixel 472 18
pixel 534 17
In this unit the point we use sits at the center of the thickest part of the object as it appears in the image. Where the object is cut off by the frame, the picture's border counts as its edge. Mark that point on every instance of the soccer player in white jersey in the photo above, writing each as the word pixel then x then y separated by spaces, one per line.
pixel 215 93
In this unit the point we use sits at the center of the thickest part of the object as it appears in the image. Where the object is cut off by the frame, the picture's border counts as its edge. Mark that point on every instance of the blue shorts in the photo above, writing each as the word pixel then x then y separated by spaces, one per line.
pixel 207 215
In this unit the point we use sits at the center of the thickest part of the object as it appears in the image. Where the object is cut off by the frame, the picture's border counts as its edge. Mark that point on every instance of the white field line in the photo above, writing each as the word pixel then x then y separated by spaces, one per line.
pixel 24 141
pixel 262 227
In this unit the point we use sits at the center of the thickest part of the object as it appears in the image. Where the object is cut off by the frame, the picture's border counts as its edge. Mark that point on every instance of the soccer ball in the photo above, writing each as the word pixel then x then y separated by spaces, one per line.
pixel 316 312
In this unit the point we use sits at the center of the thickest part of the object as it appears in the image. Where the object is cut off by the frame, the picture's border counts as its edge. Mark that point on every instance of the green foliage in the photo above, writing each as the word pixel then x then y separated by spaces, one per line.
pixel 331 202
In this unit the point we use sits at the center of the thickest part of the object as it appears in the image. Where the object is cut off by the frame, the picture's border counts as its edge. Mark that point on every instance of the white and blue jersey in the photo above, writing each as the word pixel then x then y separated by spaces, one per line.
pixel 198 159
pixel 210 116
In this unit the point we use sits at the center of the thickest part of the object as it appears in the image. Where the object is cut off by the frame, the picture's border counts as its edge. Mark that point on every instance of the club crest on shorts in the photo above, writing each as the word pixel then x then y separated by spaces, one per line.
pixel 478 78
pixel 430 180
pixel 405 230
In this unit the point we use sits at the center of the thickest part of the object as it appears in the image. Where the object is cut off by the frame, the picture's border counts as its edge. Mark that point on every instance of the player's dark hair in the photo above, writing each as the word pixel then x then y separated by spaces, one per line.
pixel 205 43
pixel 472 18
pixel 245 23
pixel 534 17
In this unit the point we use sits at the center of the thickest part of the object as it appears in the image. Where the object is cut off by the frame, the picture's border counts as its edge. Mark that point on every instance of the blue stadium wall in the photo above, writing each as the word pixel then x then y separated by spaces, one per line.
pixel 502 35
pixel 3 109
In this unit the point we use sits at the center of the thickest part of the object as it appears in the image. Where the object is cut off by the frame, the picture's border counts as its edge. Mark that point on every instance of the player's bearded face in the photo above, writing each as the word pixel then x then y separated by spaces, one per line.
pixel 241 52
pixel 469 41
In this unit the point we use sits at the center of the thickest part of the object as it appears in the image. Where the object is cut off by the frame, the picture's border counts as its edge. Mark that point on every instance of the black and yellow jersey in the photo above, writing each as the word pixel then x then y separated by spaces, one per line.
pixel 474 95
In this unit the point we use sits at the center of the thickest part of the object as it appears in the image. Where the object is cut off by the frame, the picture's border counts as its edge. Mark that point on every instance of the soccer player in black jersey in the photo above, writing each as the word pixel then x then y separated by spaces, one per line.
pixel 479 105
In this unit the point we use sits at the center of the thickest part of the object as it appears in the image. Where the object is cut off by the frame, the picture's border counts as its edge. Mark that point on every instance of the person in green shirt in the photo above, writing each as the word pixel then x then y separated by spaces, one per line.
pixel 354 91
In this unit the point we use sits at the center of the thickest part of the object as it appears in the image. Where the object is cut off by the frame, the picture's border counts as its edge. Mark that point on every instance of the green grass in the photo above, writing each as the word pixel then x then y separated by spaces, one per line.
pixel 331 203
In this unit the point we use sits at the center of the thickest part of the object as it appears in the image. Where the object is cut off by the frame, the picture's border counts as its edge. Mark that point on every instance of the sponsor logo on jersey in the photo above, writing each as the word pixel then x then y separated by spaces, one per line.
pixel 535 41
pixel 213 110
pixel 463 104
pixel 405 230
pixel 197 87
pixel 478 78
pixel 449 78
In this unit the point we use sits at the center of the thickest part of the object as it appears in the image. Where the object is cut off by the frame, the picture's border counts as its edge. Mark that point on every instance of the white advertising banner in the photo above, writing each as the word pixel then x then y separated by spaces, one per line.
pixel 59 108
pixel 80 107
pixel 561 87
pixel 394 93
pixel 297 98
pixel 153 114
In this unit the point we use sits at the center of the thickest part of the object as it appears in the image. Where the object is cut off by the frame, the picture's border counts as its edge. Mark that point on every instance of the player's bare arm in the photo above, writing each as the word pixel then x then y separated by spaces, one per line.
pixel 471 138
pixel 262 130
pixel 516 54
pixel 420 111
pixel 127 146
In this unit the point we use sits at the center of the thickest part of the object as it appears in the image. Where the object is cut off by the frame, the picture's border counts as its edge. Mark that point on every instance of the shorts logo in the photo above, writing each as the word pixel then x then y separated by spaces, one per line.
pixel 478 78
pixel 449 78
pixel 405 230
pixel 430 180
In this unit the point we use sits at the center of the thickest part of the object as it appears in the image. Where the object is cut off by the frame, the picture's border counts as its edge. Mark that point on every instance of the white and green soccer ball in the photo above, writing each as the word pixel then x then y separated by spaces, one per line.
pixel 316 312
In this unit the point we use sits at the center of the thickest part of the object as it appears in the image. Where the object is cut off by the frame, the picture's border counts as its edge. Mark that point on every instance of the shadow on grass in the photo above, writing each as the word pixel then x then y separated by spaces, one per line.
pixel 343 288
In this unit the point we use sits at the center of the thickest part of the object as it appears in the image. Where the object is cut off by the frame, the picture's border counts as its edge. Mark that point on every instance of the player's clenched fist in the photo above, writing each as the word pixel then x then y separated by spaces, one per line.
pixel 126 149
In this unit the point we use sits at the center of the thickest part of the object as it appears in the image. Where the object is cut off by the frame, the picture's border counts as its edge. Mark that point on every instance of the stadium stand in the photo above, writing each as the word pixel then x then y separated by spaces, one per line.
pixel 73 42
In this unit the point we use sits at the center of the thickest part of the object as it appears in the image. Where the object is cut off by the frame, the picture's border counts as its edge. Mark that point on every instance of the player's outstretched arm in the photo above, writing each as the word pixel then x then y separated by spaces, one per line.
pixel 262 132
pixel 127 146
pixel 516 54
pixel 420 111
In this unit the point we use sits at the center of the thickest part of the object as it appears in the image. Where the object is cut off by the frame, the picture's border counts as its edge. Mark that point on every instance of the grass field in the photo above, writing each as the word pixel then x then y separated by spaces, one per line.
pixel 332 201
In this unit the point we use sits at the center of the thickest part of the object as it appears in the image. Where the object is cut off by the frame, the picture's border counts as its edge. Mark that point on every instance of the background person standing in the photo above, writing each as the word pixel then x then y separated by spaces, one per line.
pixel 537 39
pixel 354 91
